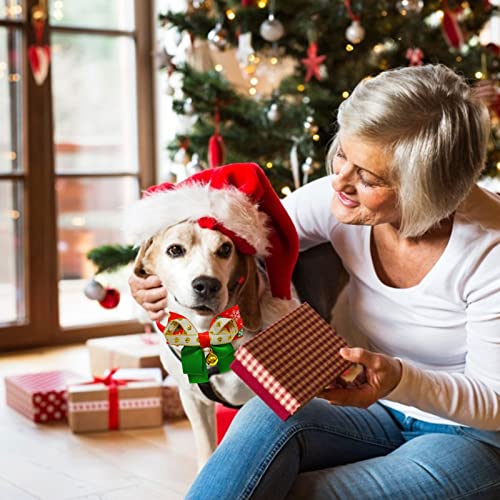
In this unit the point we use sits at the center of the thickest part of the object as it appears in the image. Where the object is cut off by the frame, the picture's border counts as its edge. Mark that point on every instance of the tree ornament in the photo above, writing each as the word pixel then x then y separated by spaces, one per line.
pixel 107 297
pixel 245 49
pixel 355 33
pixel 164 60
pixel 414 56
pixel 39 52
pixel 218 37
pixel 111 298
pixel 271 29
pixel 216 145
pixel 273 113
pixel 188 107
pixel 94 290
pixel 451 29
pixel 313 62
pixel 195 165
pixel 406 7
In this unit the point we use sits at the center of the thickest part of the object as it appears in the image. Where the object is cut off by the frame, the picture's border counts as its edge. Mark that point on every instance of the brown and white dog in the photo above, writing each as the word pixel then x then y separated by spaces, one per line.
pixel 203 239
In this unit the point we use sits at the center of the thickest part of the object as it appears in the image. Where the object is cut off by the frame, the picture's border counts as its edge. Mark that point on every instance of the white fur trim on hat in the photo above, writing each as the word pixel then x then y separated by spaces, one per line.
pixel 228 206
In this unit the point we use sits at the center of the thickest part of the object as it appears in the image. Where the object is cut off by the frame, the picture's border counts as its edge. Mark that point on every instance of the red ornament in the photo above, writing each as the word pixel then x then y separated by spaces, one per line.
pixel 111 299
pixel 451 30
pixel 312 62
pixel 216 145
pixel 414 56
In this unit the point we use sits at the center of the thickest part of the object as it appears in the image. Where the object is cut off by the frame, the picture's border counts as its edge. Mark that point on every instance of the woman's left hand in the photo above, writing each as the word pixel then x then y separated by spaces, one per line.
pixel 383 374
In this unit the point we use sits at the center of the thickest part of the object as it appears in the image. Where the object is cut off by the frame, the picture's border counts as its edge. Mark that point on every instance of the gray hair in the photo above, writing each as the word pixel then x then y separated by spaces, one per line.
pixel 435 130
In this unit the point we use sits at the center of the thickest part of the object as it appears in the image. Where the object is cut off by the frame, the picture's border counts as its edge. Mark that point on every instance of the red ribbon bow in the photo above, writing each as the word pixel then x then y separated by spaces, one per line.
pixel 113 396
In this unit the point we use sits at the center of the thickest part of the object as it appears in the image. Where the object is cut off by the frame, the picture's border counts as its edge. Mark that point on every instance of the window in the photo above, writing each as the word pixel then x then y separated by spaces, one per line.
pixel 73 151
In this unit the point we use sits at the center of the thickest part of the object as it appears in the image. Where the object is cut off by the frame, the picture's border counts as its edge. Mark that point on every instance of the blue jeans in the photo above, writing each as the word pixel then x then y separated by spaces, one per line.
pixel 333 452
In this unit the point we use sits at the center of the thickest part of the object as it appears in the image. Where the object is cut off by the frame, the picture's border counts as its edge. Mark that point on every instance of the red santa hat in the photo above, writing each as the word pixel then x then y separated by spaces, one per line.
pixel 237 200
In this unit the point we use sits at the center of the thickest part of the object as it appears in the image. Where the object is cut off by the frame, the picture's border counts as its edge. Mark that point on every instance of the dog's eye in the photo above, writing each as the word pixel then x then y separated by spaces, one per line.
pixel 175 251
pixel 225 250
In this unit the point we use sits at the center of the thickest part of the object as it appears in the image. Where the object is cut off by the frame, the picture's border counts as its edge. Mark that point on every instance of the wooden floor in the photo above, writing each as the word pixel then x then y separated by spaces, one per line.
pixel 50 462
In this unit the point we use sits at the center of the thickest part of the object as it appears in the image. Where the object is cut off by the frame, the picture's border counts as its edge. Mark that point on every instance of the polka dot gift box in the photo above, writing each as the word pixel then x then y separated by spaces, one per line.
pixel 40 396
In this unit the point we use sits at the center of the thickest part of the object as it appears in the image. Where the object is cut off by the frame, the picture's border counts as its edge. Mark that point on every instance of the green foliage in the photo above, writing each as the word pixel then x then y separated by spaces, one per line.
pixel 109 258
pixel 248 133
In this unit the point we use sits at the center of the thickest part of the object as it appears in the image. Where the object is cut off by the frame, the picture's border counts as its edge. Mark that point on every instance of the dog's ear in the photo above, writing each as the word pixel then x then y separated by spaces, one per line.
pixel 248 297
pixel 141 267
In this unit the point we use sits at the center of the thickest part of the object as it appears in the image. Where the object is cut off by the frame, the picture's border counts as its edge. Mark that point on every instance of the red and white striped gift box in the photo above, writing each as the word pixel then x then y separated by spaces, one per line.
pixel 40 396
pixel 291 361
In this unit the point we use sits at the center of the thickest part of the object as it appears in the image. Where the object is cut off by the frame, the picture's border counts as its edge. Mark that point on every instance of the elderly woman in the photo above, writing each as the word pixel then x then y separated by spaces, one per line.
pixel 421 244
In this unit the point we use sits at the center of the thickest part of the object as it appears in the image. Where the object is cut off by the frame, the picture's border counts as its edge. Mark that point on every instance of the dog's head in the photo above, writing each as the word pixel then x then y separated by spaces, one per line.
pixel 202 271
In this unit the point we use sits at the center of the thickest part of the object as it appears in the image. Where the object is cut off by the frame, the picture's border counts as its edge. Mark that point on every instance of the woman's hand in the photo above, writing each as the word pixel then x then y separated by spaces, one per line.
pixel 150 294
pixel 383 374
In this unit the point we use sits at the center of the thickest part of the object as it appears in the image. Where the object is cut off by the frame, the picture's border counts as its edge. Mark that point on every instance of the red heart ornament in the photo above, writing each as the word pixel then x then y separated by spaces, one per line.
pixel 39 57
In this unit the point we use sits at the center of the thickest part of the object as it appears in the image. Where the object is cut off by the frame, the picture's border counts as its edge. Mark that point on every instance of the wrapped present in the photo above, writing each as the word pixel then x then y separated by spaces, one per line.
pixel 172 405
pixel 223 418
pixel 40 396
pixel 293 360
pixel 124 351
pixel 123 399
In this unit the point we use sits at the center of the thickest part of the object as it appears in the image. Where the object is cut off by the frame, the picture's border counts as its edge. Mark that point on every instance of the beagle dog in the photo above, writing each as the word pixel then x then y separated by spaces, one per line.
pixel 204 274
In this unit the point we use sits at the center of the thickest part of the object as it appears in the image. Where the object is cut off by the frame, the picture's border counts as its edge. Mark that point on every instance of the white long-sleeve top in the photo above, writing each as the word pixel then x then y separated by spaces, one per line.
pixel 445 330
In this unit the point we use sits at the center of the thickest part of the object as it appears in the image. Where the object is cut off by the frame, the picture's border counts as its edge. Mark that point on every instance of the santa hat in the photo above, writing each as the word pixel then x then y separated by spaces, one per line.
pixel 237 200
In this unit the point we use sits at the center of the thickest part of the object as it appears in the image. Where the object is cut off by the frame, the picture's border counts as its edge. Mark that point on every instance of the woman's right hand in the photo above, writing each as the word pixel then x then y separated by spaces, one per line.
pixel 150 294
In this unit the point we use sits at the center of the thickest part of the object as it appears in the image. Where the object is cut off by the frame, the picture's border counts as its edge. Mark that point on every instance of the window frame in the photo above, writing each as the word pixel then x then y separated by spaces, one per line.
pixel 41 327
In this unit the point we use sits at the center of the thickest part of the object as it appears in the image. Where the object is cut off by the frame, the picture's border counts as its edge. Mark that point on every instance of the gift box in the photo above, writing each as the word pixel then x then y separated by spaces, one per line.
pixel 293 360
pixel 172 405
pixel 124 351
pixel 40 396
pixel 123 399
pixel 223 418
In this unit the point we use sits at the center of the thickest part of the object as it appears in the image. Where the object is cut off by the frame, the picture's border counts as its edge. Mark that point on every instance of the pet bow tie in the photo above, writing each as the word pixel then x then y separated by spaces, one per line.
pixel 226 326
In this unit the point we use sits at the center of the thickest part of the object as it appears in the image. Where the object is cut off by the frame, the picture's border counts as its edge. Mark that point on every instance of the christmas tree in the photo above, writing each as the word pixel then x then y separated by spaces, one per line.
pixel 296 61
pixel 332 46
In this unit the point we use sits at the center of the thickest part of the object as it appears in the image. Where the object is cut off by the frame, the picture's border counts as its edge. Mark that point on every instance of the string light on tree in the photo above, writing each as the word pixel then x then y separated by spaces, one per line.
pixel 406 7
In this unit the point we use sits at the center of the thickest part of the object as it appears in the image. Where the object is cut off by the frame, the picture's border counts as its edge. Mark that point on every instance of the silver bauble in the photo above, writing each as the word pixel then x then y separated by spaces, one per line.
pixel 409 6
pixel 271 29
pixel 218 37
pixel 355 33
pixel 94 290
pixel 273 113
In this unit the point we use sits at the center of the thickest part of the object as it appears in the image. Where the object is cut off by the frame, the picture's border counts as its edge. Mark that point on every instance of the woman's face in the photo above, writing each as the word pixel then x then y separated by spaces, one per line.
pixel 364 193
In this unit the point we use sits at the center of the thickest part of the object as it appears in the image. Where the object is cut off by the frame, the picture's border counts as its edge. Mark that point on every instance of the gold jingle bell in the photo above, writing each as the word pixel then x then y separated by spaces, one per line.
pixel 211 358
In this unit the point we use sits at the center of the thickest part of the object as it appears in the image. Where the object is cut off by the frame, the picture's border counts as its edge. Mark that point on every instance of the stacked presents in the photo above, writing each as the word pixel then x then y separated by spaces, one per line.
pixel 127 389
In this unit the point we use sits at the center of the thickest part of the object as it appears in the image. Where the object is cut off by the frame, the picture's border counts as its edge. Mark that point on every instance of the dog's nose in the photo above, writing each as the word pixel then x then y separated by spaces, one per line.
pixel 206 287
